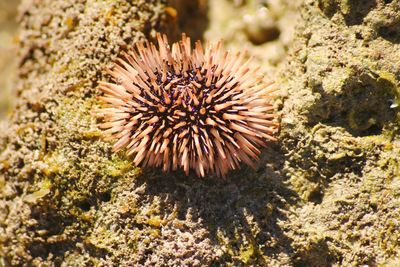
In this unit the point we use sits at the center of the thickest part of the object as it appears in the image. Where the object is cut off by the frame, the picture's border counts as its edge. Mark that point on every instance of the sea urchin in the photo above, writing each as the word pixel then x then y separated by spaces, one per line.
pixel 202 110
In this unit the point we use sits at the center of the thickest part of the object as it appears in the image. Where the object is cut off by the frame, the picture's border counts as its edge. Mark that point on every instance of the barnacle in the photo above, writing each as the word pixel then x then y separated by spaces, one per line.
pixel 197 109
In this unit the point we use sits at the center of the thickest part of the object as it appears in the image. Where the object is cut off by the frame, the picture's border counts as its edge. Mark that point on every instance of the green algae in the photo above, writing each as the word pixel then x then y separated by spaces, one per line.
pixel 2 182
pixel 117 166
pixel 155 221
pixel 44 189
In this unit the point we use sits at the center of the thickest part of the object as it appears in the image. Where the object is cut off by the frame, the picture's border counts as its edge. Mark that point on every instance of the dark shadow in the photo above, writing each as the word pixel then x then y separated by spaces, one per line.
pixel 390 32
pixel 363 107
pixel 190 17
pixel 53 240
pixel 354 11
pixel 329 8
pixel 358 10
pixel 244 209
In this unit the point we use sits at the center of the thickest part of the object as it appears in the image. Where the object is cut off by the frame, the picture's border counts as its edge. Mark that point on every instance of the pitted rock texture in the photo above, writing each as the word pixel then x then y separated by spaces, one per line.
pixel 326 195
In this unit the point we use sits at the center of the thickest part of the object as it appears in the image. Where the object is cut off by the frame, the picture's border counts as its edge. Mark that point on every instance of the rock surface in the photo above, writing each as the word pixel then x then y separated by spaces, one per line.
pixel 8 28
pixel 327 194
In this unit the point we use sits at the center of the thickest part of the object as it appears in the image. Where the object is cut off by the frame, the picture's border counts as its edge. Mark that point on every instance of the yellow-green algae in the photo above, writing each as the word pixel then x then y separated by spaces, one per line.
pixel 44 188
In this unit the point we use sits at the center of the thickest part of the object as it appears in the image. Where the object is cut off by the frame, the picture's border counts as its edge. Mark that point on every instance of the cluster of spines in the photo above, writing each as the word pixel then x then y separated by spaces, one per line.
pixel 201 109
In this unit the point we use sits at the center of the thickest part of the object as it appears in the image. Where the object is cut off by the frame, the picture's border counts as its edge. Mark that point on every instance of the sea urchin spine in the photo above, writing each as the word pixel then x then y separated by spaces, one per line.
pixel 202 110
